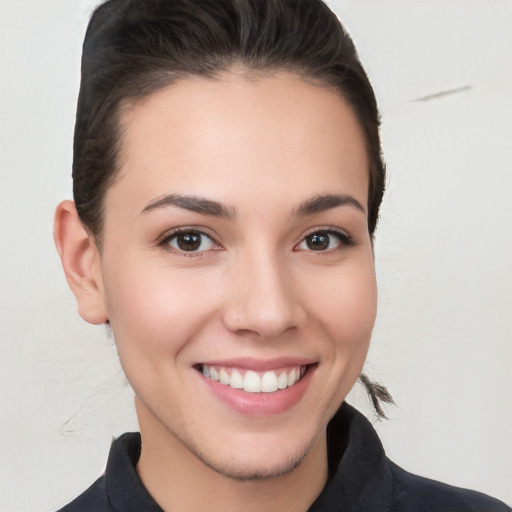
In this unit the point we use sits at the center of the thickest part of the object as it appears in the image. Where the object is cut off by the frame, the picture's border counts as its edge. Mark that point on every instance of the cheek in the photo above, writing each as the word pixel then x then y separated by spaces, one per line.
pixel 155 314
pixel 358 307
pixel 347 306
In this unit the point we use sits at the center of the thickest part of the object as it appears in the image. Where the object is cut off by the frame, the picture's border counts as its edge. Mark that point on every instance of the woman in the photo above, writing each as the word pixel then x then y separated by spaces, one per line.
pixel 227 182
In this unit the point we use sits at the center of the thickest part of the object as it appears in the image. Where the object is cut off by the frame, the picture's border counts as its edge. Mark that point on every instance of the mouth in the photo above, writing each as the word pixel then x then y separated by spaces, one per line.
pixel 257 388
pixel 250 381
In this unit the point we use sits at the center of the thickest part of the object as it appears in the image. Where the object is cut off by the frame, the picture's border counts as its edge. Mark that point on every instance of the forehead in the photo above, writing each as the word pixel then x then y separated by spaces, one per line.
pixel 238 136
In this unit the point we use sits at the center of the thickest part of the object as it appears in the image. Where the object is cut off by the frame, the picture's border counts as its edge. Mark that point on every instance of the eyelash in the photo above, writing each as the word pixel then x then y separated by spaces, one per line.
pixel 344 240
pixel 166 240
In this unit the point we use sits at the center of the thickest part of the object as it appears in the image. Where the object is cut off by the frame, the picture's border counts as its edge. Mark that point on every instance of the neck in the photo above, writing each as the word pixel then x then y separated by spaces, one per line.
pixel 178 480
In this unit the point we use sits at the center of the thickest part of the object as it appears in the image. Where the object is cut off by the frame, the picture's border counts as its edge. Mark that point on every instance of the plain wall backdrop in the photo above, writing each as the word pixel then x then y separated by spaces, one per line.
pixel 442 74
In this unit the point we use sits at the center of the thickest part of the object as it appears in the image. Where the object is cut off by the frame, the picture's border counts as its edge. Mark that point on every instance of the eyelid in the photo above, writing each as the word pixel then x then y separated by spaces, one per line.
pixel 346 239
pixel 164 239
pixel 324 229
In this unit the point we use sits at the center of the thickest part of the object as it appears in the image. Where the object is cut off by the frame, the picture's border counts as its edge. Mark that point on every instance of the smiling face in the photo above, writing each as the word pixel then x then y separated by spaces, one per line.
pixel 237 268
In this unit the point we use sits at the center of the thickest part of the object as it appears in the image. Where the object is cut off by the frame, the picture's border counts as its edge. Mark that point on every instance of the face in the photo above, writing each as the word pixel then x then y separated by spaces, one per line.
pixel 237 268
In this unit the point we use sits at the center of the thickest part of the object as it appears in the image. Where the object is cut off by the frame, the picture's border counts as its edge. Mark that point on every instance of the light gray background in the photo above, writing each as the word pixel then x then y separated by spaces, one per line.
pixel 444 250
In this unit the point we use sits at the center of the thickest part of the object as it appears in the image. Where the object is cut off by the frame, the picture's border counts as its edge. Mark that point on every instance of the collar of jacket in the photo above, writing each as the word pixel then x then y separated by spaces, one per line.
pixel 359 477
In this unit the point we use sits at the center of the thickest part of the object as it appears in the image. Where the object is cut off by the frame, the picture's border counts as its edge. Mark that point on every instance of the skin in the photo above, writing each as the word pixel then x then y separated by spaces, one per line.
pixel 255 289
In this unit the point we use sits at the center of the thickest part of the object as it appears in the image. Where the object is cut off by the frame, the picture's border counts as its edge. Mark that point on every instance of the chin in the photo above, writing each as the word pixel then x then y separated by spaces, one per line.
pixel 241 469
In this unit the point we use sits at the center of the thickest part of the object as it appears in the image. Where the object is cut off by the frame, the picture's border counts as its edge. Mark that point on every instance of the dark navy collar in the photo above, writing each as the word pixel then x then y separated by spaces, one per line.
pixel 125 490
pixel 358 472
pixel 361 479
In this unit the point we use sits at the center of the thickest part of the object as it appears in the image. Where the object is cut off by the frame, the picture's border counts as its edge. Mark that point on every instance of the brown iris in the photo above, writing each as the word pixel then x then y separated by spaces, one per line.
pixel 318 241
pixel 188 241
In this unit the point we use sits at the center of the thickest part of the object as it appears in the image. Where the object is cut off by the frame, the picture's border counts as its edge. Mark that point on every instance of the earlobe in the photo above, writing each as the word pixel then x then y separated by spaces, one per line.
pixel 81 263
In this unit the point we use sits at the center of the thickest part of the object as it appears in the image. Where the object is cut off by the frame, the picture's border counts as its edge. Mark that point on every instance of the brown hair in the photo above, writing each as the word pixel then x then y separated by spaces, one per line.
pixel 133 48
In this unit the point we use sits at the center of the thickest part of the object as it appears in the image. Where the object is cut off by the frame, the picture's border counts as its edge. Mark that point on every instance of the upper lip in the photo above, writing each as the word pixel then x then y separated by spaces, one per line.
pixel 256 365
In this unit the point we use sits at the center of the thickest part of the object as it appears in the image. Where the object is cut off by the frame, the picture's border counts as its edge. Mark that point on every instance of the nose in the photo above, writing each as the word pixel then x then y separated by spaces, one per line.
pixel 263 299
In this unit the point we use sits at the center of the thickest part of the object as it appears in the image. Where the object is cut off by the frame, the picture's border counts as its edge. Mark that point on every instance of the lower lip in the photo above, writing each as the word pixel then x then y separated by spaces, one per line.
pixel 260 404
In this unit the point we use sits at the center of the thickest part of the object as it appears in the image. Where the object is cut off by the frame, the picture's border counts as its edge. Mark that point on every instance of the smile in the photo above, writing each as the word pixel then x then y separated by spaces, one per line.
pixel 255 382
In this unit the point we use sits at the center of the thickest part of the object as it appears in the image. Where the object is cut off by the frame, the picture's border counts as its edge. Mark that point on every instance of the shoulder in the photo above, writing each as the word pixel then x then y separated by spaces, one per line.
pixel 120 488
pixel 413 492
pixel 94 499
pixel 363 479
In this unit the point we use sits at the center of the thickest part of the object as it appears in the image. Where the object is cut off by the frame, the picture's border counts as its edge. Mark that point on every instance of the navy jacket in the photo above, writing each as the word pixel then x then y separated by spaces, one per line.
pixel 362 479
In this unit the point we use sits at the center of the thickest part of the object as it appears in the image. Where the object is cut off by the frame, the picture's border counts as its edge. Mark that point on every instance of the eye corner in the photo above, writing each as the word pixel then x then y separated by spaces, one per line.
pixel 189 242
pixel 324 240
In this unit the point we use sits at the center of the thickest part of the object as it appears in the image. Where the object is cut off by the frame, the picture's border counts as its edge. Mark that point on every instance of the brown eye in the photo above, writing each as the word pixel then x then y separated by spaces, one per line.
pixel 325 241
pixel 188 242
pixel 318 241
pixel 191 241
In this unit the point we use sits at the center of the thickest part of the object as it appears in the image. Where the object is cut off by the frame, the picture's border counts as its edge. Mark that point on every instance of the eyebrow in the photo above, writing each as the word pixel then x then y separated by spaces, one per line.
pixel 205 206
pixel 325 202
pixel 193 203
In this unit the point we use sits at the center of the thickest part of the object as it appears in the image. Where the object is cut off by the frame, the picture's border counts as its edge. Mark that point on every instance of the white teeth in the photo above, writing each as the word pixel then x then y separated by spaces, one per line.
pixel 237 380
pixel 282 381
pixel 224 377
pixel 291 377
pixel 252 382
pixel 269 382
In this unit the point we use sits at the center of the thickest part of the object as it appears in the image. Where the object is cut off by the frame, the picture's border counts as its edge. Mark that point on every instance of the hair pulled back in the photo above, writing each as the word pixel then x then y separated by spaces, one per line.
pixel 133 48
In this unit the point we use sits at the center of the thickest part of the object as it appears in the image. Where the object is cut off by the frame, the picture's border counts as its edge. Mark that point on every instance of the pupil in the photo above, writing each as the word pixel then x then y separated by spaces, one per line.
pixel 318 241
pixel 189 242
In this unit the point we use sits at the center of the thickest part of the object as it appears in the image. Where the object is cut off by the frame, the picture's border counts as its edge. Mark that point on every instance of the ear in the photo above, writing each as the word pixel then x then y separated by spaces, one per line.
pixel 81 263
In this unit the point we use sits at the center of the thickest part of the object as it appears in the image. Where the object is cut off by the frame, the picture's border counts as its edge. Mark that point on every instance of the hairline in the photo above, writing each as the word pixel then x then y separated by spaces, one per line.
pixel 162 79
